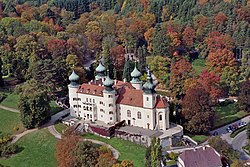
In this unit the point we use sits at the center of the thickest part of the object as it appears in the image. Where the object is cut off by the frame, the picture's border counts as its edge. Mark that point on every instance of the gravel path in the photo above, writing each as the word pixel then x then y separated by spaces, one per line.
pixel 9 109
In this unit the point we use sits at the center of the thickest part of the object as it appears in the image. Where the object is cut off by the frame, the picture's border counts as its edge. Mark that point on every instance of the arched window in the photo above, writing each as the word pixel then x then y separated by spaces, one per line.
pixel 128 113
pixel 111 112
pixel 139 115
pixel 160 117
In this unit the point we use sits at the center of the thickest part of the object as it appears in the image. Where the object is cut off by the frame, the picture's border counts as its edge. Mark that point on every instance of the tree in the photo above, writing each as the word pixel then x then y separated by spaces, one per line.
pixel 34 104
pixel 1 74
pixel 222 147
pixel 160 66
pixel 105 160
pixel 230 80
pixel 85 153
pixel 244 68
pixel 181 70
pixel 64 149
pixel 220 59
pixel 244 96
pixel 210 82
pixel 188 36
pixel 153 154
pixel 126 71
pixel 237 163
pixel 197 110
pixel 124 163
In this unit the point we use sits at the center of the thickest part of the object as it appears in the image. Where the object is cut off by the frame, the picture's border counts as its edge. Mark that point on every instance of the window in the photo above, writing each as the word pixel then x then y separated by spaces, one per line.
pixel 101 102
pixel 79 106
pixel 90 116
pixel 90 108
pixel 128 113
pixel 90 100
pixel 147 116
pixel 110 96
pixel 93 100
pixel 75 106
pixel 160 117
pixel 139 115
pixel 147 98
pixel 111 112
pixel 87 99
pixel 101 115
pixel 102 110
pixel 110 105
pixel 110 118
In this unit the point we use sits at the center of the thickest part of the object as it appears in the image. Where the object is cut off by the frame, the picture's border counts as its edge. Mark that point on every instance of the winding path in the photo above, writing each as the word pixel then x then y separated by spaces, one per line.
pixel 9 109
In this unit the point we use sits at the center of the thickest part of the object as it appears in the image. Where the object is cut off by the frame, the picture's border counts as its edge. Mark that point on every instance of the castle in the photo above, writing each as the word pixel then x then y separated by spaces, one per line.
pixel 112 101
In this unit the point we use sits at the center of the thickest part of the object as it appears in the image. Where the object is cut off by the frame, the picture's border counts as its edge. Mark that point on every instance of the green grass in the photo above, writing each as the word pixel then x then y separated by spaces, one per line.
pixel 11 101
pixel 198 138
pixel 60 127
pixel 9 120
pixel 128 150
pixel 38 151
pixel 227 113
pixel 199 65
pixel 236 132
pixel 172 162
pixel 54 108
pixel 246 149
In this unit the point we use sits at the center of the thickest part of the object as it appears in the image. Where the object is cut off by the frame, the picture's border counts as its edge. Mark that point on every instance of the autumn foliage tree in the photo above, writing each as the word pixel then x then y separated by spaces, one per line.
pixel 220 59
pixel 197 111
pixel 64 149
pixel 181 70
pixel 210 82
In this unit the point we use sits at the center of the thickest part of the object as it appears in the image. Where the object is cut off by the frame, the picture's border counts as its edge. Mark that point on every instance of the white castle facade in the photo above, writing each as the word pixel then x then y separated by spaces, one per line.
pixel 112 101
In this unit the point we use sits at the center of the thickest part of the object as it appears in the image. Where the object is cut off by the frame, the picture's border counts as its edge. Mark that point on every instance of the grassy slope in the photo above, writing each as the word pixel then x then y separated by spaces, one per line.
pixel 38 151
pixel 128 150
pixel 60 127
pixel 199 65
pixel 227 113
pixel 11 101
pixel 9 120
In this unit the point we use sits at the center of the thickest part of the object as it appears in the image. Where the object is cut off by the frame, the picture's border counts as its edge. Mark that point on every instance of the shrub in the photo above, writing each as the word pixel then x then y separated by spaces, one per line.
pixel 16 128
pixel 173 156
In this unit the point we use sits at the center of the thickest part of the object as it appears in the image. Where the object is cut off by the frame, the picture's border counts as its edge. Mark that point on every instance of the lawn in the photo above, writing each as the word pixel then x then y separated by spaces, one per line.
pixel 60 127
pixel 38 151
pixel 198 138
pixel 11 101
pixel 199 65
pixel 54 108
pixel 227 113
pixel 9 121
pixel 128 150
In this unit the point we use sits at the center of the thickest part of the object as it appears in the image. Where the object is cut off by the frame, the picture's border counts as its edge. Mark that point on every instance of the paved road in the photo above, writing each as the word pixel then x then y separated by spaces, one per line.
pixel 238 142
pixel 223 130
pixel 9 109
pixel 19 136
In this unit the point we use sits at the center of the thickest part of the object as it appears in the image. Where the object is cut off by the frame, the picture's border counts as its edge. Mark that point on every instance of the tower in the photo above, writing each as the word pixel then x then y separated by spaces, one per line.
pixel 136 82
pixel 100 71
pixel 149 94
pixel 73 96
pixel 109 96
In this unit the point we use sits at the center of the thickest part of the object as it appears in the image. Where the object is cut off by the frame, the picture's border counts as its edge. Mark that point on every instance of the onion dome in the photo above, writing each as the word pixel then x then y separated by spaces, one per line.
pixel 136 73
pixel 149 86
pixel 74 78
pixel 100 68
pixel 108 83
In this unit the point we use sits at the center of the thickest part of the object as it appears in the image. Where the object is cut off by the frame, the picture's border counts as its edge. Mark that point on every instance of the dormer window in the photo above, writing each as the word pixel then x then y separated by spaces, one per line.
pixel 88 90
pixel 94 92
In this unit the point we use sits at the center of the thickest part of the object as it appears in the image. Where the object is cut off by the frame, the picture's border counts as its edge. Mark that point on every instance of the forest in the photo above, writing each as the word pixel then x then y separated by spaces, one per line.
pixel 44 39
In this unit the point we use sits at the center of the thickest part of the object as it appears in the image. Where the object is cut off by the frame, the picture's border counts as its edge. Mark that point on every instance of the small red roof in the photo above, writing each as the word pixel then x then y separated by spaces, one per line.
pixel 161 102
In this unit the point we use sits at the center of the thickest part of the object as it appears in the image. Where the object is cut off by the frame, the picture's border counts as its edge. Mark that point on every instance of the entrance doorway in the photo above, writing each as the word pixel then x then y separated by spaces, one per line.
pixel 129 123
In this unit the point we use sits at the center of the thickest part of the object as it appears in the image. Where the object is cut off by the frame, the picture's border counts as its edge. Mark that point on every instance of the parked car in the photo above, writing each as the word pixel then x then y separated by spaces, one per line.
pixel 229 129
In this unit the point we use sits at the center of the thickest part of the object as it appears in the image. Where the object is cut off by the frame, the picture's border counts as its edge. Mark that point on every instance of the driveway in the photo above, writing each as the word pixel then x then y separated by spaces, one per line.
pixel 238 142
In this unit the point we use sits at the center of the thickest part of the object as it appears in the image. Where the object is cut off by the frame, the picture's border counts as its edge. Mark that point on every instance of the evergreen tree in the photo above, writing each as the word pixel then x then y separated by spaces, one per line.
pixel 126 71
pixel 1 74
pixel 244 96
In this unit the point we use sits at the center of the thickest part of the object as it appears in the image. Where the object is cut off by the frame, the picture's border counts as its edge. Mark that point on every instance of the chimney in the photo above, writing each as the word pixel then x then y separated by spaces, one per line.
pixel 204 147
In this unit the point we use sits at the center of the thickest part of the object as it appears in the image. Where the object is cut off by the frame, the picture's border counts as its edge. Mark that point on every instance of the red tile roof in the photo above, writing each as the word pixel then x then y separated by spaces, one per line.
pixel 94 90
pixel 130 97
pixel 127 94
pixel 201 157
pixel 161 102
